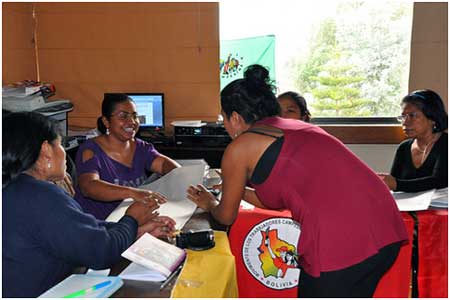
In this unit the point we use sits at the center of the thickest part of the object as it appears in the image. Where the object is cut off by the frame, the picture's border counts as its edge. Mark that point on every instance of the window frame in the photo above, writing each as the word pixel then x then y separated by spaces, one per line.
pixel 354 120
pixel 365 133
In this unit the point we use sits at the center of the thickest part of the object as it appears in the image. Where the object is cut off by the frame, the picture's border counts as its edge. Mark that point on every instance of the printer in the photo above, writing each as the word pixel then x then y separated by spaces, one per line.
pixel 33 102
pixel 56 110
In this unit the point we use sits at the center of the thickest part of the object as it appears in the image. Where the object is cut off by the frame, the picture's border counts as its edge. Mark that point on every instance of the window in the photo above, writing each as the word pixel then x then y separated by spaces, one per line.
pixel 350 60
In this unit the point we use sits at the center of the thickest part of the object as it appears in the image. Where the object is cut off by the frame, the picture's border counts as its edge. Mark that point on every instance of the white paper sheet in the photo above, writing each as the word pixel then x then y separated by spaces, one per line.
pixel 191 123
pixel 440 198
pixel 103 272
pixel 413 201
pixel 173 185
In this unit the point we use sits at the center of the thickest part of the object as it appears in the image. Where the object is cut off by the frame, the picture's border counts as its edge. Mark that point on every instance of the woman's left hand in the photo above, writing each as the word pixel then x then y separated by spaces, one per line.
pixel 200 196
pixel 389 180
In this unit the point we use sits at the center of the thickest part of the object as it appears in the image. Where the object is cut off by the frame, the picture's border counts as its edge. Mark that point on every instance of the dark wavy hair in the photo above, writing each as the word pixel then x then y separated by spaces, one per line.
pixel 109 103
pixel 431 105
pixel 252 96
pixel 301 103
pixel 23 135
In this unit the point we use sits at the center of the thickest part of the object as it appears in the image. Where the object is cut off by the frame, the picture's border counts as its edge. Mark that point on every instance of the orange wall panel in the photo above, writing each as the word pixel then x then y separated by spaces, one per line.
pixel 17 43
pixel 187 65
pixel 18 64
pixel 88 49
pixel 194 101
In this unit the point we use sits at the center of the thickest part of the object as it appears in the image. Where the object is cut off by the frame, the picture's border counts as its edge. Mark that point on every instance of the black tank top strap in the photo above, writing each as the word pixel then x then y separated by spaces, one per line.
pixel 267 161
pixel 265 132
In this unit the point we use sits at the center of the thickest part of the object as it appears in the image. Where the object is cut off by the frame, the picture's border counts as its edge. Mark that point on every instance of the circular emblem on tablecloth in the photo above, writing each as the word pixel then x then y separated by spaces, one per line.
pixel 270 253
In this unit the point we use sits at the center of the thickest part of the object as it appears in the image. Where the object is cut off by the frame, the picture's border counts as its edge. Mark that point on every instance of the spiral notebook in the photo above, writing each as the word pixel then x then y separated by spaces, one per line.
pixel 83 286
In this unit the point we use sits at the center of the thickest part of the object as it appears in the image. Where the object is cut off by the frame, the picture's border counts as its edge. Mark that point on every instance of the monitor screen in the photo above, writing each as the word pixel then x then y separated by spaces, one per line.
pixel 150 108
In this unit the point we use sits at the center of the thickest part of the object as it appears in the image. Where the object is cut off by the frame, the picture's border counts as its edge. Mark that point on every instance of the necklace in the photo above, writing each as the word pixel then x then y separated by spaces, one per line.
pixel 424 152
pixel 420 150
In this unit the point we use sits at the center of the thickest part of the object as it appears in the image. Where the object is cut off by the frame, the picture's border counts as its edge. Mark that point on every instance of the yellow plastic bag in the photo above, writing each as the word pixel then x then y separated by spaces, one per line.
pixel 208 274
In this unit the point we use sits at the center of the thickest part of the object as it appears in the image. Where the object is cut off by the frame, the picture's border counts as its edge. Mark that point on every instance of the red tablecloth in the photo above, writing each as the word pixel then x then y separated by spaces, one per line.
pixel 432 275
pixel 395 283
pixel 246 227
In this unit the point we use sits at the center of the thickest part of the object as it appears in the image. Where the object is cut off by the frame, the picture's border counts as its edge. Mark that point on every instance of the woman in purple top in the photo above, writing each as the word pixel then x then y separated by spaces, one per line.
pixel 111 166
pixel 351 229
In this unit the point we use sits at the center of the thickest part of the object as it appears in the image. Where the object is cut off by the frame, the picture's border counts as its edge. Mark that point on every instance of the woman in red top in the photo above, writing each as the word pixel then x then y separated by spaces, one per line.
pixel 351 229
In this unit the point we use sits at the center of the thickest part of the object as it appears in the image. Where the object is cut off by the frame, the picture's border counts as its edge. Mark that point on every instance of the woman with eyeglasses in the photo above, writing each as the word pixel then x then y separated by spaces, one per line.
pixel 111 166
pixel 421 161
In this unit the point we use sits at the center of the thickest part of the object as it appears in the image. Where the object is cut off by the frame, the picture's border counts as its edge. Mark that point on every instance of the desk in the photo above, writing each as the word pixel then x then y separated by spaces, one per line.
pixel 145 289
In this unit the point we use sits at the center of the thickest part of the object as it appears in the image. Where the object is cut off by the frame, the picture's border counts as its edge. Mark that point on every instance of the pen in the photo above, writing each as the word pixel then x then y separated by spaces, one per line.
pixel 88 290
pixel 171 276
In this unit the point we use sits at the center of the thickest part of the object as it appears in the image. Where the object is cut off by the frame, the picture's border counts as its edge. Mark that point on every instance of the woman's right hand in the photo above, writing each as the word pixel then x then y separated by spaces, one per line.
pixel 142 212
pixel 147 196
pixel 200 196
pixel 389 180
pixel 161 226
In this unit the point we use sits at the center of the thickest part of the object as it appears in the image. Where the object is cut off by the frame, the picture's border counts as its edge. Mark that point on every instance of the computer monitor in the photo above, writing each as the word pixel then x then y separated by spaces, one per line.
pixel 150 108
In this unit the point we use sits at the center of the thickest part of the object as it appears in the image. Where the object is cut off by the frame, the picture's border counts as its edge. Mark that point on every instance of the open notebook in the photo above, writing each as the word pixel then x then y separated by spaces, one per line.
pixel 152 259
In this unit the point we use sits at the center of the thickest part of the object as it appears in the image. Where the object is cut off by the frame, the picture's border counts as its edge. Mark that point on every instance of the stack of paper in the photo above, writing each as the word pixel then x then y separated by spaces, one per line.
pixel 413 201
pixel 440 198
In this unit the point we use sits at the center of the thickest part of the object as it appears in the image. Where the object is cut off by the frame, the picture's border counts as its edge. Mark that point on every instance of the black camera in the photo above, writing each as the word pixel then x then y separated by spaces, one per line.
pixel 196 240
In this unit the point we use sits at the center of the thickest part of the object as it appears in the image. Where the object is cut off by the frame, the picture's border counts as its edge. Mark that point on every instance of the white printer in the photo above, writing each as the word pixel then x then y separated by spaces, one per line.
pixel 56 110
pixel 31 102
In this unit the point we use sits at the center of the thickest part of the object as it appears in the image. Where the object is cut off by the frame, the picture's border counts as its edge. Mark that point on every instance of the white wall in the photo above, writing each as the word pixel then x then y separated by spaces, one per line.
pixel 378 157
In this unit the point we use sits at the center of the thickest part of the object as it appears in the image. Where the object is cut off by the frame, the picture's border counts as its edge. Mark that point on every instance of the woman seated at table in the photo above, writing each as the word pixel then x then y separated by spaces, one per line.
pixel 293 106
pixel 351 229
pixel 45 233
pixel 421 161
pixel 111 166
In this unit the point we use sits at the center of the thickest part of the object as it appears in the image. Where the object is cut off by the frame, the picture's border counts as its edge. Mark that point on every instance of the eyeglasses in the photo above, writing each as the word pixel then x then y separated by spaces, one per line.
pixel 125 116
pixel 411 116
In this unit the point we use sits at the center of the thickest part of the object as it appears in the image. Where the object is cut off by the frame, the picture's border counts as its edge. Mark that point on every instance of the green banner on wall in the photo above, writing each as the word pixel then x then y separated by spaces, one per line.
pixel 236 55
